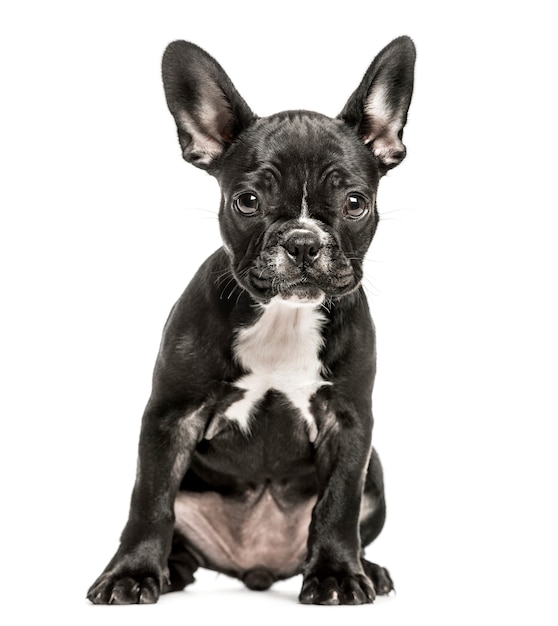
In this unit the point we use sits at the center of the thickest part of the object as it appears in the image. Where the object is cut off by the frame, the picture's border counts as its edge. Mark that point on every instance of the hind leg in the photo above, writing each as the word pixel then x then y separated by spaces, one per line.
pixel 372 518
pixel 182 564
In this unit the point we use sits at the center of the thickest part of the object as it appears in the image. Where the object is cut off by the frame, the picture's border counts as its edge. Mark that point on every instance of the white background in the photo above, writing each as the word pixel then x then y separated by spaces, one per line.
pixel 103 224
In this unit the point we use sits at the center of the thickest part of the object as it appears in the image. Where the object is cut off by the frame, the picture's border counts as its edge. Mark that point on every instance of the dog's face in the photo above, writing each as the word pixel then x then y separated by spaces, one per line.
pixel 298 209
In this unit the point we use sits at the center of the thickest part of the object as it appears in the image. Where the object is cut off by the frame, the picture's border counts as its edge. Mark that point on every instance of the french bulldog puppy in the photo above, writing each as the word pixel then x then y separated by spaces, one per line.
pixel 255 453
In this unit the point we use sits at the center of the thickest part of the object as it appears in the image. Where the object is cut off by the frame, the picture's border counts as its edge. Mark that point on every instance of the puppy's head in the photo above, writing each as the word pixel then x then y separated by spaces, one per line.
pixel 298 208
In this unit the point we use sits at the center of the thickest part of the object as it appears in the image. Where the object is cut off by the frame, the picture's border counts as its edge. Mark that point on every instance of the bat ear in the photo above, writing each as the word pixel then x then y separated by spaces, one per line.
pixel 378 108
pixel 208 111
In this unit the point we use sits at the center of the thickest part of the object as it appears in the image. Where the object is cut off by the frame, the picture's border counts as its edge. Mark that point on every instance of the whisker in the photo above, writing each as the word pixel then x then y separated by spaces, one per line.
pixel 232 279
pixel 238 297
pixel 223 276
pixel 202 210
pixel 391 211
pixel 231 293
pixel 328 304
pixel 369 287
pixel 238 286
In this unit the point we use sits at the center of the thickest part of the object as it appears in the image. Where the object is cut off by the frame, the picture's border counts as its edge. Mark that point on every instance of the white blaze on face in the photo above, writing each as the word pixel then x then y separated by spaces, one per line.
pixel 304 204
pixel 306 221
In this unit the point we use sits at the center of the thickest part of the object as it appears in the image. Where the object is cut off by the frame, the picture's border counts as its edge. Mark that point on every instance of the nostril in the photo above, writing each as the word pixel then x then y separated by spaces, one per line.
pixel 303 247
pixel 294 251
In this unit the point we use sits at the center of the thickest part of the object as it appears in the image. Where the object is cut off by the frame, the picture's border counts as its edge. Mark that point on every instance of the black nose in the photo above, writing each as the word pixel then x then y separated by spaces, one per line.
pixel 303 247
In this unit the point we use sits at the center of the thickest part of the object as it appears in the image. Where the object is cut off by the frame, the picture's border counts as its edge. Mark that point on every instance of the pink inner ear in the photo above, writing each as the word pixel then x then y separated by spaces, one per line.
pixel 203 144
pixel 215 115
pixel 385 142
pixel 383 125
pixel 208 125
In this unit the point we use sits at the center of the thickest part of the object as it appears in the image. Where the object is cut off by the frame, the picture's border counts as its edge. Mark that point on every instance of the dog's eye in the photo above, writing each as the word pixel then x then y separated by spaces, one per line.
pixel 355 206
pixel 247 203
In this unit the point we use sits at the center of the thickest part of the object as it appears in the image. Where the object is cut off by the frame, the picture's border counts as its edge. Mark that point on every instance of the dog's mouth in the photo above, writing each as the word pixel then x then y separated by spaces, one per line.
pixel 300 284
pixel 299 291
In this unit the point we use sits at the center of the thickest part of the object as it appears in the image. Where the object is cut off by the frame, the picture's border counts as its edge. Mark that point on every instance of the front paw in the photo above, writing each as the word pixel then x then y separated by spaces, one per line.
pixel 126 584
pixel 340 587
pixel 134 589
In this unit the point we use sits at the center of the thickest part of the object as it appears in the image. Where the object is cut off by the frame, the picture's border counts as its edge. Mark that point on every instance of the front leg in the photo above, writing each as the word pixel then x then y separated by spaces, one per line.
pixel 137 572
pixel 333 573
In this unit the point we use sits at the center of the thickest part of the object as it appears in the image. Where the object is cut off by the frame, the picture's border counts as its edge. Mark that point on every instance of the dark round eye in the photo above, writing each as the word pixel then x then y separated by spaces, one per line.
pixel 247 203
pixel 355 206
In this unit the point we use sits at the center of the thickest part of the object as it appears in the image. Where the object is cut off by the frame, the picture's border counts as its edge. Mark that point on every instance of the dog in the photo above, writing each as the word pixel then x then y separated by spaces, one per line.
pixel 255 453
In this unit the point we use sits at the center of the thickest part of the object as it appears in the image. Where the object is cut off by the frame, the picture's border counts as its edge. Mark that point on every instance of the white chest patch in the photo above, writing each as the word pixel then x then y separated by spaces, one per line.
pixel 280 352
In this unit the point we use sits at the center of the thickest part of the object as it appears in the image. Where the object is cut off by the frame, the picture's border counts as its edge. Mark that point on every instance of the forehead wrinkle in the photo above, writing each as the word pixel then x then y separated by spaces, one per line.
pixel 300 158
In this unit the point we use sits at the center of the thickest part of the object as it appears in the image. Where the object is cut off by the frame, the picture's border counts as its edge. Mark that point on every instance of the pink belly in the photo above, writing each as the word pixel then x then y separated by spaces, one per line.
pixel 237 535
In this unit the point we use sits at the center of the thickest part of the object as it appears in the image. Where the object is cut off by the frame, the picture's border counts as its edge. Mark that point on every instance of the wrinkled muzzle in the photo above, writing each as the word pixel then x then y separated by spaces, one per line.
pixel 301 262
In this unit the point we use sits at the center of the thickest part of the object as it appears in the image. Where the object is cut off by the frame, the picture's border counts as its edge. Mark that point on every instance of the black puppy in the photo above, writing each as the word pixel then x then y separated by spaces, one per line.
pixel 255 455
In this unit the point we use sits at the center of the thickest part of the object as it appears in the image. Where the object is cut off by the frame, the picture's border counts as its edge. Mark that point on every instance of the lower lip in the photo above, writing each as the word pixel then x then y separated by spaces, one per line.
pixel 303 295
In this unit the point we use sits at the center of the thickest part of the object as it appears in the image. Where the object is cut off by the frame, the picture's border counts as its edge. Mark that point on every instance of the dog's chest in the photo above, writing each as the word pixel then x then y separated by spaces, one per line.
pixel 280 352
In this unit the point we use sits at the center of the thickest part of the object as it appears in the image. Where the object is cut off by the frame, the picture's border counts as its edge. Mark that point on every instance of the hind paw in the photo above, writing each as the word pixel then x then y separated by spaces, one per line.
pixel 383 584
